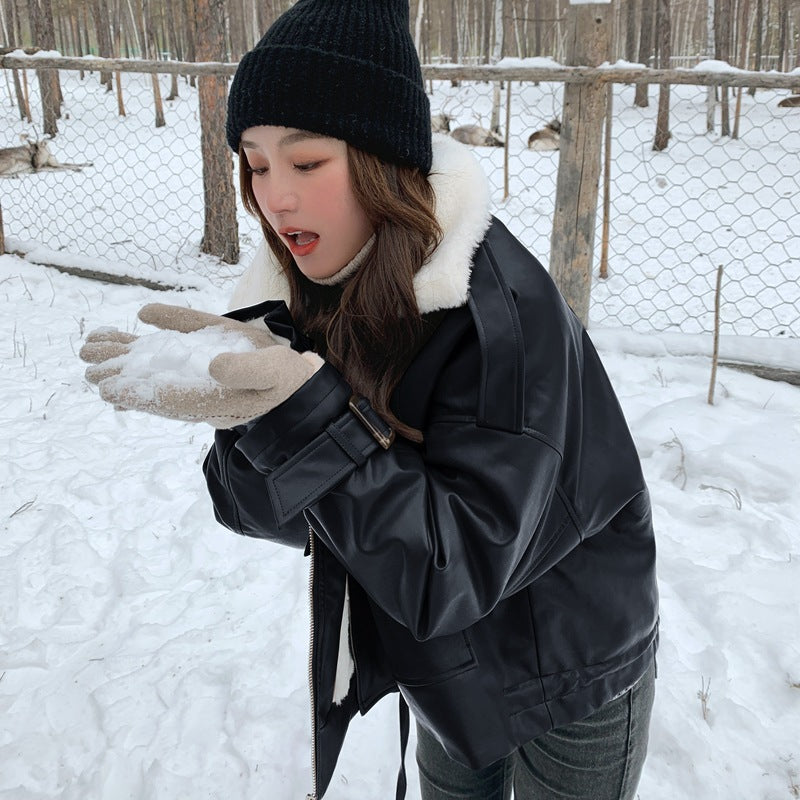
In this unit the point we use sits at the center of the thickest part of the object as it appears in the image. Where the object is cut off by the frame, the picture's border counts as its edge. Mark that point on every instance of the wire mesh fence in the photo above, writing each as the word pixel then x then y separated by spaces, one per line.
pixel 675 215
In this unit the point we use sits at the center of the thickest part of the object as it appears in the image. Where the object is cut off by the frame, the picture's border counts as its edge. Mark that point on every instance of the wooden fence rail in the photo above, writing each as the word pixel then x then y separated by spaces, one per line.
pixel 723 76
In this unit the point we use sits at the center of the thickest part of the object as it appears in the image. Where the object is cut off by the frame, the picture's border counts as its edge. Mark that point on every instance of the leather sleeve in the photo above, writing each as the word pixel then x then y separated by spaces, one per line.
pixel 436 534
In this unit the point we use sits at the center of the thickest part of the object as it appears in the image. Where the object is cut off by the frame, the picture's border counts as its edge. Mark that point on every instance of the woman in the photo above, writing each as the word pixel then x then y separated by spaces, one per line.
pixel 431 423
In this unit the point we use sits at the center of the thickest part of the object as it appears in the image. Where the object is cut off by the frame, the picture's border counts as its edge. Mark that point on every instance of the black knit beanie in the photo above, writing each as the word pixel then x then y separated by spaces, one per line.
pixel 344 68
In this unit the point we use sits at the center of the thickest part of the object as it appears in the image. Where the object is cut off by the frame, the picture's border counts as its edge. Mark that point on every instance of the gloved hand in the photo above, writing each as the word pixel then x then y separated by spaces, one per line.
pixel 134 372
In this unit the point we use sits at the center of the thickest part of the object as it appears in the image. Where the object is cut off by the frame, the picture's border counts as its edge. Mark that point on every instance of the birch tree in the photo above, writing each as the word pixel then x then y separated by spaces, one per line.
pixel 497 54
pixel 418 27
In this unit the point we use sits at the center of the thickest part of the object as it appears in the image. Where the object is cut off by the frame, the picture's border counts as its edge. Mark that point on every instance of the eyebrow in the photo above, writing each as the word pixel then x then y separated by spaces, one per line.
pixel 289 138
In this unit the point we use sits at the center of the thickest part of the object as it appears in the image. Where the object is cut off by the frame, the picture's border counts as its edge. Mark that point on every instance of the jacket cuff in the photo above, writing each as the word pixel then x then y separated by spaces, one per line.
pixel 344 445
pixel 312 441
pixel 276 436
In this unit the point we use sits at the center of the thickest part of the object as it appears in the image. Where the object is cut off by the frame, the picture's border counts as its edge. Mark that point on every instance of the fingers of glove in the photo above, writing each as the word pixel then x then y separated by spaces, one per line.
pixel 99 372
pixel 177 318
pixel 110 335
pixel 97 351
pixel 206 403
pixel 188 320
pixel 269 368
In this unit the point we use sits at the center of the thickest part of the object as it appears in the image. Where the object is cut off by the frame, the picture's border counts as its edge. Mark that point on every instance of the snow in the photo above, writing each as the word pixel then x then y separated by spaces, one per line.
pixel 147 654
pixel 38 254
pixel 779 352
pixel 621 63
pixel 179 359
pixel 713 65
pixel 537 62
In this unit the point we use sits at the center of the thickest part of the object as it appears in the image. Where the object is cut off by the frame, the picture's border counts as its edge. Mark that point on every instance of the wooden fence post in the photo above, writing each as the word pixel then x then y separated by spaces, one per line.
pixel 572 242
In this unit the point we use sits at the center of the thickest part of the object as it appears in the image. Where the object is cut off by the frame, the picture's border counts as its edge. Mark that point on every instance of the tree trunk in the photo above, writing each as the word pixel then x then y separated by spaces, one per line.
pixel 418 27
pixel 783 35
pixel 454 54
pixel 220 231
pixel 645 49
pixel 174 48
pixel 486 13
pixel 664 52
pixel 148 43
pixel 711 48
pixel 41 14
pixel 190 21
pixel 13 38
pixel 744 24
pixel 102 24
pixel 76 36
pixel 116 39
pixel 497 54
pixel 630 30
pixel 759 40
pixel 722 42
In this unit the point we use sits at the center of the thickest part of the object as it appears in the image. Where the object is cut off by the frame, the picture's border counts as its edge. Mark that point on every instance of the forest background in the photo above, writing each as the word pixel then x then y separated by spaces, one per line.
pixel 752 34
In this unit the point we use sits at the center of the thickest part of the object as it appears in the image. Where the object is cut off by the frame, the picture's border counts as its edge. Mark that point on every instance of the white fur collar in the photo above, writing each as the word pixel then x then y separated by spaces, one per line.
pixel 462 209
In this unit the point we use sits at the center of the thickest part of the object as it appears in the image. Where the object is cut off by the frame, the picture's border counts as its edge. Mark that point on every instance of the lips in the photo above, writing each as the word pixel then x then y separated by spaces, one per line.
pixel 300 242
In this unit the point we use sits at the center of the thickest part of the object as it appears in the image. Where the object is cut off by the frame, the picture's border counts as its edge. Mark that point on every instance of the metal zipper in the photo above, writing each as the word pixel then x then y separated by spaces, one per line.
pixel 313 794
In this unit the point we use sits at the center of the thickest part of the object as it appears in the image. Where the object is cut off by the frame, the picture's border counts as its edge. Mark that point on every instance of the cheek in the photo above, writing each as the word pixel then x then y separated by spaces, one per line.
pixel 331 195
pixel 258 194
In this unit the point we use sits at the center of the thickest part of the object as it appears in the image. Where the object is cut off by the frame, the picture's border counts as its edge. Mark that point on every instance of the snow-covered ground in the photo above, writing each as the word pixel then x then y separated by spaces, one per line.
pixel 148 654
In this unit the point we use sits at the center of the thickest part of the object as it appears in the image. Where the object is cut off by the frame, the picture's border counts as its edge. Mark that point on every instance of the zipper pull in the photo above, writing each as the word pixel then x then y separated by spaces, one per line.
pixel 311 797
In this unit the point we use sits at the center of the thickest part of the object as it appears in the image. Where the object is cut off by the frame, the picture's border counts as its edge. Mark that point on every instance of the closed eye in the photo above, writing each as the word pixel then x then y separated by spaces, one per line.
pixel 257 170
pixel 308 166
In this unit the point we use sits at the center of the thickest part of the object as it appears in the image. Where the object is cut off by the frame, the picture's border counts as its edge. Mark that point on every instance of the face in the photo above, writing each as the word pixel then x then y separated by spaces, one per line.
pixel 301 183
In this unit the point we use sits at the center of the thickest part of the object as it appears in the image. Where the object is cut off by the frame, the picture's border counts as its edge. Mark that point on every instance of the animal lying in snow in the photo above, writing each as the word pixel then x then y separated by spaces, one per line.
pixel 440 123
pixel 547 138
pixel 31 157
pixel 477 136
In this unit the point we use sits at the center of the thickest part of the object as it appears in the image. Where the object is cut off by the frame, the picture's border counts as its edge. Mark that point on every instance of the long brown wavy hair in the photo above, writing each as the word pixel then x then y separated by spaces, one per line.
pixel 370 328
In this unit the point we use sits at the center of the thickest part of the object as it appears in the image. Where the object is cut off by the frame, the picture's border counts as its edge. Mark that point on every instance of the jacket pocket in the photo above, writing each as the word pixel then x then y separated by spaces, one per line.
pixel 415 663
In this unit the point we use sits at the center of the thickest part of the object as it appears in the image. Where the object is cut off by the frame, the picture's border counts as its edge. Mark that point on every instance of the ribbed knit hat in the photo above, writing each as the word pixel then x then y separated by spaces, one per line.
pixel 344 68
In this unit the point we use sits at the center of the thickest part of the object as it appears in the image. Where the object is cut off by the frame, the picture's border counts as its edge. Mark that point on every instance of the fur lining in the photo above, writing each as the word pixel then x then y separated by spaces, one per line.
pixel 345 666
pixel 462 210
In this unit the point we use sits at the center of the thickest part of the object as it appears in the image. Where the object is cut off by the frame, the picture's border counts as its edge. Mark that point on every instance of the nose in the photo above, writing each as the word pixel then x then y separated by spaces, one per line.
pixel 276 195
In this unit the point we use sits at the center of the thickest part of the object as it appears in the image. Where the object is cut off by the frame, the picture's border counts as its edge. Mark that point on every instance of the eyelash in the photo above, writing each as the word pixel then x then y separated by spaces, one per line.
pixel 307 167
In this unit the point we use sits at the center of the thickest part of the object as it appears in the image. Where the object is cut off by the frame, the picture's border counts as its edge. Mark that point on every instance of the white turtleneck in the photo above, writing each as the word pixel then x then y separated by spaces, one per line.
pixel 348 269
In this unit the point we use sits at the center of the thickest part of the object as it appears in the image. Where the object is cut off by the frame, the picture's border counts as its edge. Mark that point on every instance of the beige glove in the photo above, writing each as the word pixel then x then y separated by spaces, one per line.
pixel 239 387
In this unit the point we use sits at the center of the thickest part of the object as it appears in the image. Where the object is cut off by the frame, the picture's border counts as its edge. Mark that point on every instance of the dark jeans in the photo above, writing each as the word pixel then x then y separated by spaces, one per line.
pixel 598 758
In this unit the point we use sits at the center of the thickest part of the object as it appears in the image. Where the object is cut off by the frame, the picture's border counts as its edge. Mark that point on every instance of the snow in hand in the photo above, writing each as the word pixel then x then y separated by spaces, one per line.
pixel 175 359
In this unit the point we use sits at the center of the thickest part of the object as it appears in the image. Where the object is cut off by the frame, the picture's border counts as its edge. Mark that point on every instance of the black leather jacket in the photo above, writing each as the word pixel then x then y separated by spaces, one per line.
pixel 502 574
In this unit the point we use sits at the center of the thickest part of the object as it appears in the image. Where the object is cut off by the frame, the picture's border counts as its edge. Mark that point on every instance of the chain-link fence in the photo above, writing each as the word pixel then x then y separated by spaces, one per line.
pixel 675 215
pixel 139 207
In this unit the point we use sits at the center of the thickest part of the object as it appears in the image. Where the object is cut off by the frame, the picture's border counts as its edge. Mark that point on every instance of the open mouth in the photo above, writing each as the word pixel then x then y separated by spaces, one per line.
pixel 301 243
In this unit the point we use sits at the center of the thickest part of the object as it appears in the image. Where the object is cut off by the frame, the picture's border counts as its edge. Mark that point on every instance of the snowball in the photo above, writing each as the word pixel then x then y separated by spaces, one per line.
pixel 179 359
